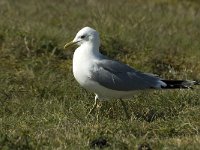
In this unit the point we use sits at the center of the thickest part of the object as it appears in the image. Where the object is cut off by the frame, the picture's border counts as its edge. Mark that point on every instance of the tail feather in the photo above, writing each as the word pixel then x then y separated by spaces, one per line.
pixel 177 84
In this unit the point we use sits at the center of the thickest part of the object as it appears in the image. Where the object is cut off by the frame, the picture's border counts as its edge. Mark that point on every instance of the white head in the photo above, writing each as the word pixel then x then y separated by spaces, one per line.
pixel 84 36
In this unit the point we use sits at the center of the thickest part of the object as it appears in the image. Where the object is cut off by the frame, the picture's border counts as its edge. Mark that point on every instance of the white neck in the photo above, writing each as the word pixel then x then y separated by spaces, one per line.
pixel 89 48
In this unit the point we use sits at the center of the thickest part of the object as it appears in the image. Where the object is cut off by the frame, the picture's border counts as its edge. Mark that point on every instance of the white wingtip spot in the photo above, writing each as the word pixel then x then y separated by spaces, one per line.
pixel 161 84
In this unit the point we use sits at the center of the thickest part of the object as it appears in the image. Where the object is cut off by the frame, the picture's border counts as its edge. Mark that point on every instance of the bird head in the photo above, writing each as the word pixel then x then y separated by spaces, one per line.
pixel 84 36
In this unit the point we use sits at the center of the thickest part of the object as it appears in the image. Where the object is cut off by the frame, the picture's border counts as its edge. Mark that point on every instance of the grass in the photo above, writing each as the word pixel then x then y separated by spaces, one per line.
pixel 43 107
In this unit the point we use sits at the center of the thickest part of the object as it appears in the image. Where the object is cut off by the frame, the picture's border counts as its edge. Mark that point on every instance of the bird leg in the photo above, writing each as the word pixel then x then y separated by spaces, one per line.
pixel 125 109
pixel 94 105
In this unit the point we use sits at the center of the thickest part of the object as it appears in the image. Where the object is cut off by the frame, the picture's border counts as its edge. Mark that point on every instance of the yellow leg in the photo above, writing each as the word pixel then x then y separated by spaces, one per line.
pixel 94 106
pixel 125 109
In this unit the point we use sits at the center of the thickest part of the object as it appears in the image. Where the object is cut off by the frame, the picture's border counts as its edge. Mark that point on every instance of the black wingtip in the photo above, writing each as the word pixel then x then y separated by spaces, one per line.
pixel 176 84
pixel 197 83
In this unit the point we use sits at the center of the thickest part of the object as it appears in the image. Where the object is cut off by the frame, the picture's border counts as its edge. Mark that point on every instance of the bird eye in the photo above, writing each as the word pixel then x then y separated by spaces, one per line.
pixel 83 36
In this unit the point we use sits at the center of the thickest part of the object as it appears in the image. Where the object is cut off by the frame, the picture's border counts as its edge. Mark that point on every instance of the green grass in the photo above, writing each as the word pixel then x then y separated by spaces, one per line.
pixel 43 107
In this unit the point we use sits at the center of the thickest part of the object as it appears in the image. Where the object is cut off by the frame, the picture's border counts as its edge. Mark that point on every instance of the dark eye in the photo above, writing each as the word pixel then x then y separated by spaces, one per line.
pixel 83 36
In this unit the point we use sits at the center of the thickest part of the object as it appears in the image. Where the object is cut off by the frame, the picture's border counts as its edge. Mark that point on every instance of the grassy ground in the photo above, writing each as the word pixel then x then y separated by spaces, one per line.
pixel 43 107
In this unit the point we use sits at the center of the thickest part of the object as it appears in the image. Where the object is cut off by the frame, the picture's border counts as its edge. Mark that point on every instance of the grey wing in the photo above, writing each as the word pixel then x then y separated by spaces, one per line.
pixel 117 76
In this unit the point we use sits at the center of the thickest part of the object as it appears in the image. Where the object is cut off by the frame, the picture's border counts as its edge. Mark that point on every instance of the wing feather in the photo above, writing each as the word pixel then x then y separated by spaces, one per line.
pixel 117 76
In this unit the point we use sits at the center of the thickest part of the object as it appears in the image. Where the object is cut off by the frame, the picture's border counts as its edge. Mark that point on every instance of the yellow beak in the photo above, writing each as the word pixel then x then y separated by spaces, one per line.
pixel 69 44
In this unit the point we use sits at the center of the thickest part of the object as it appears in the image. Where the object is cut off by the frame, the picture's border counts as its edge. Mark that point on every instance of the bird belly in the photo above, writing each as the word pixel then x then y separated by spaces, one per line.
pixel 104 93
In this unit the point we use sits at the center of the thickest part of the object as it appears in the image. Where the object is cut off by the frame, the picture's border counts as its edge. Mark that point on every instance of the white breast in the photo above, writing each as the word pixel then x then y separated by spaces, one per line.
pixel 81 68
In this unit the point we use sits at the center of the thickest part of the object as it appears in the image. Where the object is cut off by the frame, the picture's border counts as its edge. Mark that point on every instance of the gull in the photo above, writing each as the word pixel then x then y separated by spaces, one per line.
pixel 110 79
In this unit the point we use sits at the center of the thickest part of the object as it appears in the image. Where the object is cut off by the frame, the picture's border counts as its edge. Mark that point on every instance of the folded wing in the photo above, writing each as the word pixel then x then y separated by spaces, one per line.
pixel 117 76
